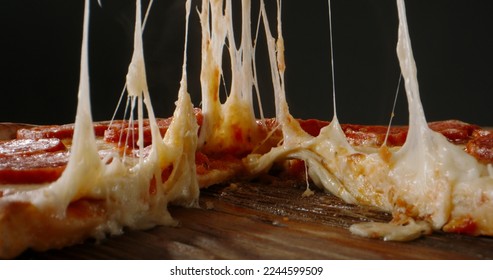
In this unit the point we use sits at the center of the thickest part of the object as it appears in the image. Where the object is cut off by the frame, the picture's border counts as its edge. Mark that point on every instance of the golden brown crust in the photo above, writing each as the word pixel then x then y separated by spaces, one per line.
pixel 23 226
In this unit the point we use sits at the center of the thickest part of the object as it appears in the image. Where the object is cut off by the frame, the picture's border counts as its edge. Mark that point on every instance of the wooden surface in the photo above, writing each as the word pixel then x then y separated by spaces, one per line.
pixel 266 220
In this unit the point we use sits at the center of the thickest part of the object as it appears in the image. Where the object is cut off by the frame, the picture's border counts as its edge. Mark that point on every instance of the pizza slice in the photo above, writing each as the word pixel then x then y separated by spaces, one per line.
pixel 96 195
pixel 62 184
pixel 427 184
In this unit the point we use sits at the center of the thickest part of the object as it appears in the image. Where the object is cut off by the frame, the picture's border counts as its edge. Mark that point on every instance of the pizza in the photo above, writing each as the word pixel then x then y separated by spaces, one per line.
pixel 62 184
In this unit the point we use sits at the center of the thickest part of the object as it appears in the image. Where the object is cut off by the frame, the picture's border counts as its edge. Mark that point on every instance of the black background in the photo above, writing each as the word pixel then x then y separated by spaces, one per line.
pixel 452 41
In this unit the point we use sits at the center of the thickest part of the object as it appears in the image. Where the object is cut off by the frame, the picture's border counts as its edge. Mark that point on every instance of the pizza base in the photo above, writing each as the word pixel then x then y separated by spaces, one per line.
pixel 23 226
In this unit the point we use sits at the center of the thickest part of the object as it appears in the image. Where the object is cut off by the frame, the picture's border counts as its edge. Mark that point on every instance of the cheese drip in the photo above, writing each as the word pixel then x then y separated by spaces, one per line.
pixel 181 141
pixel 84 158
pixel 315 151
pixel 137 82
pixel 135 194
pixel 427 184
pixel 226 125
pixel 435 180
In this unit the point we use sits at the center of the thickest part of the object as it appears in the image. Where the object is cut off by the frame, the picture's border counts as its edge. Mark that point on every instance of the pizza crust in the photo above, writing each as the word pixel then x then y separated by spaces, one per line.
pixel 23 226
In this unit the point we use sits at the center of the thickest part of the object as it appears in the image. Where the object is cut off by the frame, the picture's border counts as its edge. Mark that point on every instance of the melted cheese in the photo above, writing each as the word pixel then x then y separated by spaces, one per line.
pixel 123 184
pixel 428 170
pixel 428 179
pixel 227 124
pixel 84 157
pixel 428 183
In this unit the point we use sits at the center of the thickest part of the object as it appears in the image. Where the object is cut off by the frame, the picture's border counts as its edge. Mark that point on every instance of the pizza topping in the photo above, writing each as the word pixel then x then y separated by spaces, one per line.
pixel 24 147
pixel 33 168
pixel 456 131
pixel 28 161
pixel 123 132
pixel 481 148
pixel 374 136
pixel 312 126
pixel 57 131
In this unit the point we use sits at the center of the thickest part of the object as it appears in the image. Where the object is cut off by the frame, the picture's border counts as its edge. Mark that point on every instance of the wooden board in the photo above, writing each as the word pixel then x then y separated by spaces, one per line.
pixel 268 220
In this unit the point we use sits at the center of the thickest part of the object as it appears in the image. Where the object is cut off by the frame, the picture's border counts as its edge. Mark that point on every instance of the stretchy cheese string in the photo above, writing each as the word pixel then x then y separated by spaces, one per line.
pixel 181 142
pixel 122 94
pixel 226 125
pixel 423 173
pixel 125 188
pixel 392 114
pixel 437 178
pixel 84 157
pixel 137 85
pixel 137 81
pixel 331 40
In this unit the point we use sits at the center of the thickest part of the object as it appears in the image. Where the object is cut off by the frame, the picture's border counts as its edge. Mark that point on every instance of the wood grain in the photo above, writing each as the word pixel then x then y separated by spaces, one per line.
pixel 270 220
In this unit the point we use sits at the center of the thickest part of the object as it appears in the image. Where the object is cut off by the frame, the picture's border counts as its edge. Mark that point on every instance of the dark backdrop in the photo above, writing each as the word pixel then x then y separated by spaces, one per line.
pixel 452 40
